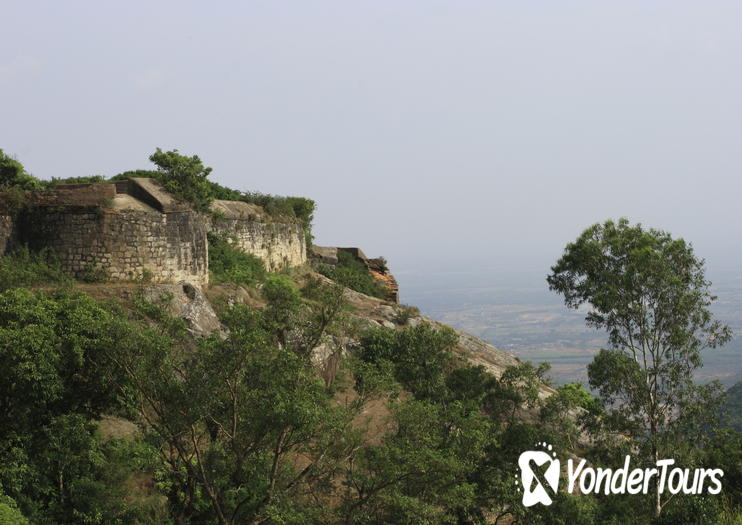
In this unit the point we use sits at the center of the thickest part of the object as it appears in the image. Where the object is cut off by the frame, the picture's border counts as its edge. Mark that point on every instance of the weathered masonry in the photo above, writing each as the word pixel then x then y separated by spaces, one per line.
pixel 279 243
pixel 377 267
pixel 134 229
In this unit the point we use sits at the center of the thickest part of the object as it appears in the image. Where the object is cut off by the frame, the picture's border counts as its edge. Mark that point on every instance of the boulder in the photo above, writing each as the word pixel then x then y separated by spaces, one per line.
pixel 187 301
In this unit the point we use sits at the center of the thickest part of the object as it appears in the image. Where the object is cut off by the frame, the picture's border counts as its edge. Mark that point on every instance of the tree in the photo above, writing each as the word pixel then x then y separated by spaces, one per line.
pixel 54 382
pixel 184 176
pixel 579 404
pixel 284 303
pixel 246 430
pixel 650 293
pixel 14 175
pixel 421 355
pixel 15 183
pixel 228 264
pixel 420 472
pixel 9 513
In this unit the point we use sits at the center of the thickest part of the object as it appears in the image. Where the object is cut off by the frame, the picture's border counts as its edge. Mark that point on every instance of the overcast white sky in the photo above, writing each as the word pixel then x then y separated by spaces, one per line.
pixel 446 136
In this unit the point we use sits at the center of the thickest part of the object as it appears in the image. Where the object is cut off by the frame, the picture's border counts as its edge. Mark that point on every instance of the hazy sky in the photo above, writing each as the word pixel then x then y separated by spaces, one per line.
pixel 444 135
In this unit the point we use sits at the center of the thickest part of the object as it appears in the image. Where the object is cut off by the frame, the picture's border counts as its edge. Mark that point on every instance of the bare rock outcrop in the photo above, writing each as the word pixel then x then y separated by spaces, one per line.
pixel 189 303
pixel 376 267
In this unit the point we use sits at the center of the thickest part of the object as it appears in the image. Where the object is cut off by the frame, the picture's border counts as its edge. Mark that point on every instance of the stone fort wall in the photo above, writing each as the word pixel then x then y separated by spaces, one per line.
pixel 280 244
pixel 125 245
pixel 133 229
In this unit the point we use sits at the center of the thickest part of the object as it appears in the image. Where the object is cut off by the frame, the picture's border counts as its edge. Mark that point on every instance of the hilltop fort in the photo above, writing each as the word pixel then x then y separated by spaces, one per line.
pixel 134 229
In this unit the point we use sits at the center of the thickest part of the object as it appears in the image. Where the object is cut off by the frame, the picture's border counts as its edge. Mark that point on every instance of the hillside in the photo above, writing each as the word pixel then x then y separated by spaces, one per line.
pixel 732 407
pixel 178 352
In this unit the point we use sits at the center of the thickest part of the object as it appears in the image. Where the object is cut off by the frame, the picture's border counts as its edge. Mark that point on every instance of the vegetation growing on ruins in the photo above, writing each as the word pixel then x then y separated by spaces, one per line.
pixel 22 267
pixel 14 175
pixel 183 176
pixel 186 177
pixel 277 206
pixel 353 274
pixel 55 182
pixel 15 183
pixel 227 264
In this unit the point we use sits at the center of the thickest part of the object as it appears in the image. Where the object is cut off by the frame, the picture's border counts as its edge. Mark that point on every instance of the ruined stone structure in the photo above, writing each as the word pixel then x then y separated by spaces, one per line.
pixel 376 267
pixel 134 229
pixel 279 243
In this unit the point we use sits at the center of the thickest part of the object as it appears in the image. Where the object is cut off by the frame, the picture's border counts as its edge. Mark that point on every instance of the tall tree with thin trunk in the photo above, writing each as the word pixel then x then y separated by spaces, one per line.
pixel 649 292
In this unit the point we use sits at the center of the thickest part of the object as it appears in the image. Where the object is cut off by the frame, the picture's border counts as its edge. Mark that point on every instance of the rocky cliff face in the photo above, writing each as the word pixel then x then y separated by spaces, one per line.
pixel 189 303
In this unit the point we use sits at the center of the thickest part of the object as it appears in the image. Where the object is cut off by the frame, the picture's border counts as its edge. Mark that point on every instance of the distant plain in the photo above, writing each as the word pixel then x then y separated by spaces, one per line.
pixel 521 316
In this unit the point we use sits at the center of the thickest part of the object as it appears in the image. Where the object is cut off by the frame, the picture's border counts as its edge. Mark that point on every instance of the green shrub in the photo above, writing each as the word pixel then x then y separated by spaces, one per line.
pixel 227 264
pixel 421 356
pixel 58 373
pixel 9 513
pixel 15 184
pixel 217 191
pixel 284 303
pixel 14 175
pixel 353 274
pixel 186 177
pixel 183 176
pixel 12 199
pixel 146 276
pixel 93 274
pixel 299 208
pixel 23 267
pixel 51 184
pixel 405 313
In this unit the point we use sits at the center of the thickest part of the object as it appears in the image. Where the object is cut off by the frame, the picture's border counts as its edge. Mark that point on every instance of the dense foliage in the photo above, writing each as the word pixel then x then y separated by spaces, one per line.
pixel 183 176
pixel 55 382
pixel 300 208
pixel 298 413
pixel 90 179
pixel 227 264
pixel 732 407
pixel 649 292
pixel 23 267
pixel 15 183
pixel 353 274
pixel 246 429
pixel 14 175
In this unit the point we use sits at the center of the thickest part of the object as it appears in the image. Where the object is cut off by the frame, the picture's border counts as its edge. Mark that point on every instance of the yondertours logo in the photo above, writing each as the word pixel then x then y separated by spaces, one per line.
pixel 539 475
pixel 540 472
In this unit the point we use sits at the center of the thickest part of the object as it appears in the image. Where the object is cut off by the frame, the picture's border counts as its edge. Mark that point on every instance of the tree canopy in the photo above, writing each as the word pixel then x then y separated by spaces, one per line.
pixel 649 292
pixel 14 175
